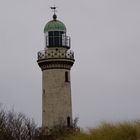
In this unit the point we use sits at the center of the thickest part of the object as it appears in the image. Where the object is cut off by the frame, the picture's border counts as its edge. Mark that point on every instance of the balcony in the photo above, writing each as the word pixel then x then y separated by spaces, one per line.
pixel 56 54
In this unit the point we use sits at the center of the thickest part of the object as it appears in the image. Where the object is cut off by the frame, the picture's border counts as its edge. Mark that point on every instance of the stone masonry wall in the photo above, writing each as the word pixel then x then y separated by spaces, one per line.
pixel 56 98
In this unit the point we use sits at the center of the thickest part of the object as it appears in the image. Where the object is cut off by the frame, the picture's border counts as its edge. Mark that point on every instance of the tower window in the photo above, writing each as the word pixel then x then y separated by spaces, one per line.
pixel 67 77
pixel 68 122
pixel 44 91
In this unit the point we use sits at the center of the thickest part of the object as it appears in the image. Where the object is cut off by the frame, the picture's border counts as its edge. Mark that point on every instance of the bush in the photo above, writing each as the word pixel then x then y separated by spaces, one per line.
pixel 58 132
pixel 108 131
pixel 15 126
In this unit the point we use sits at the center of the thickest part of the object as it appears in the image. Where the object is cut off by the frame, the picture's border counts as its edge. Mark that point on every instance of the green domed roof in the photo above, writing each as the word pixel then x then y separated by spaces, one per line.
pixel 54 25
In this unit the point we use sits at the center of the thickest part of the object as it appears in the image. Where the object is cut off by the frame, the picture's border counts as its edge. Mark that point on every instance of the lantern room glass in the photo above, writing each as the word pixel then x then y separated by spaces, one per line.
pixel 57 39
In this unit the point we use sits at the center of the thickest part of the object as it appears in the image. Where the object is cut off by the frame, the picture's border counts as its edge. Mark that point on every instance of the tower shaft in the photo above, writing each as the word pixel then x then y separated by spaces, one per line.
pixel 57 108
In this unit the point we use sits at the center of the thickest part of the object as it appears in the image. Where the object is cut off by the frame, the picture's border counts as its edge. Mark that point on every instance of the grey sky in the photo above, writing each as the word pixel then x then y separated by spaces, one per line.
pixel 105 38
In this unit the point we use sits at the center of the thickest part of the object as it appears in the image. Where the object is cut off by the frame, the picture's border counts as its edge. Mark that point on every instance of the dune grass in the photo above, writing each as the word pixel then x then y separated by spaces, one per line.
pixel 109 131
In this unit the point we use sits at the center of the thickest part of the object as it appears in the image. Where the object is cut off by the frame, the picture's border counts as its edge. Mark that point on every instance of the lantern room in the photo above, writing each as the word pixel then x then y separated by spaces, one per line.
pixel 55 34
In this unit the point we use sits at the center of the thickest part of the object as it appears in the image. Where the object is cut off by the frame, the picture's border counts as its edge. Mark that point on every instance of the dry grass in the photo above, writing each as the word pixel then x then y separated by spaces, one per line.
pixel 108 131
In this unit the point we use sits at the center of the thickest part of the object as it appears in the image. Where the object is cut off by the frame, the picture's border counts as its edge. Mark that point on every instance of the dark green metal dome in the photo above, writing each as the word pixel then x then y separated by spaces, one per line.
pixel 55 25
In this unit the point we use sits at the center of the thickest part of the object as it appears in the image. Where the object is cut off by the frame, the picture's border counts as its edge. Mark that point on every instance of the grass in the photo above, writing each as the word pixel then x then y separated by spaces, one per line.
pixel 109 131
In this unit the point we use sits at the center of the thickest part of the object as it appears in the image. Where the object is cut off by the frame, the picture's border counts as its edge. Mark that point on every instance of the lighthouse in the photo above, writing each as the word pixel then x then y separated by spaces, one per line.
pixel 56 61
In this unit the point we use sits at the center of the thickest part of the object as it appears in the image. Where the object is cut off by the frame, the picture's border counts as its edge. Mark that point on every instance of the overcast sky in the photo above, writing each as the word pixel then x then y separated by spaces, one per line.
pixel 106 41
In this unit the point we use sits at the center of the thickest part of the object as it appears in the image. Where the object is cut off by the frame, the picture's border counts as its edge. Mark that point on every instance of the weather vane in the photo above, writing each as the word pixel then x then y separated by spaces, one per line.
pixel 54 9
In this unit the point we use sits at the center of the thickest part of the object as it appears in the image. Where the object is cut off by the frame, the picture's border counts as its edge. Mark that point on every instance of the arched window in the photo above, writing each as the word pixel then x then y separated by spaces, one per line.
pixel 68 122
pixel 44 91
pixel 67 76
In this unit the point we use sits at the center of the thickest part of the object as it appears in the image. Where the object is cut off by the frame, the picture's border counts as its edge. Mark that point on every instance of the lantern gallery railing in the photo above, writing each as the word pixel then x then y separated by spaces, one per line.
pixel 55 53
pixel 58 41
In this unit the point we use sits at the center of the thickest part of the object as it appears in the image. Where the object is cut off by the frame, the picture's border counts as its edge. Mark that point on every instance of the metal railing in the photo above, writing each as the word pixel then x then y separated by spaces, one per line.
pixel 55 54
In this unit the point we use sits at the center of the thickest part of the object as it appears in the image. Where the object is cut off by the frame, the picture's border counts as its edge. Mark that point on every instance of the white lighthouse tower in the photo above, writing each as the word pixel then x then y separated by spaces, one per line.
pixel 55 62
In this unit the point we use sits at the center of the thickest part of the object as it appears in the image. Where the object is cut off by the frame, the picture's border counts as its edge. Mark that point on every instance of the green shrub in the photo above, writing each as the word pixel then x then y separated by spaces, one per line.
pixel 108 131
pixel 16 126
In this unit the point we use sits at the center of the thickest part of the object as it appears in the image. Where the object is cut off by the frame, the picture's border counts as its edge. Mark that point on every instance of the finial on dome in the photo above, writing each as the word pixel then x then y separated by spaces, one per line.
pixel 54 10
pixel 54 16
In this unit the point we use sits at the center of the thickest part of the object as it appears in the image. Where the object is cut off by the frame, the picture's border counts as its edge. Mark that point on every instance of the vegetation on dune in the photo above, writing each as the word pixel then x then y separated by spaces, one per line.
pixel 16 126
pixel 108 131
